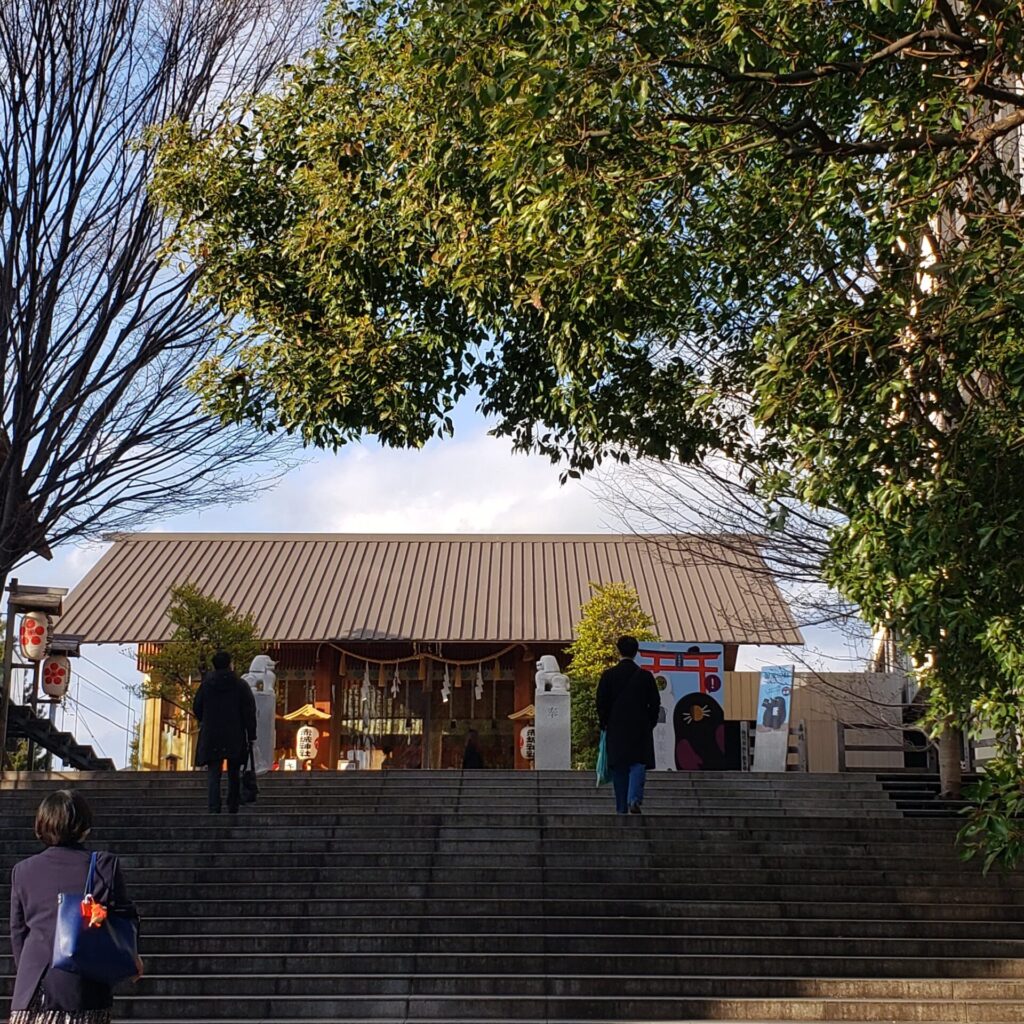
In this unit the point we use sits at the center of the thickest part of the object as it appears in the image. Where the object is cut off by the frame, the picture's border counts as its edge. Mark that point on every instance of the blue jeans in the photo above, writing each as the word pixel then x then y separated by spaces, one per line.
pixel 629 786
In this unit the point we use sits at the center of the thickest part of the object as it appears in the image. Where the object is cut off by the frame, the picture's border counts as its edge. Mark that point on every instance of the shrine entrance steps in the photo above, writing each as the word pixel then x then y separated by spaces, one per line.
pixel 520 897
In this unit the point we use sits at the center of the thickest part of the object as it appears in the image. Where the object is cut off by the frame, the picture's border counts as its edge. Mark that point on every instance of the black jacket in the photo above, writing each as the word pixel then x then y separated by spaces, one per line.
pixel 472 758
pixel 35 883
pixel 226 711
pixel 628 703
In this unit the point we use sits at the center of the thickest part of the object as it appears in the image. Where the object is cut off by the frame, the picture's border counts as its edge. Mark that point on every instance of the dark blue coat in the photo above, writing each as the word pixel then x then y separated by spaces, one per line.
pixel 226 711
pixel 628 703
pixel 35 884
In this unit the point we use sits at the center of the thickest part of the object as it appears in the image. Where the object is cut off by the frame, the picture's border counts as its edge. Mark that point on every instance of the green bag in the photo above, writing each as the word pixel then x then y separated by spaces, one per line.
pixel 604 776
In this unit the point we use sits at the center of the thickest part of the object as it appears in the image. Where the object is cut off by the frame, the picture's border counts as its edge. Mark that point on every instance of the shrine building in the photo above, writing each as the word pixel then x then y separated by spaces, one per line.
pixel 394 646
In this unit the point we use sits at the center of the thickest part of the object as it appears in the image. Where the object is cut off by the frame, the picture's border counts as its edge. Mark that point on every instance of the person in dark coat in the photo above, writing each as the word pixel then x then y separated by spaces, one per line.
pixel 472 756
pixel 226 711
pixel 43 993
pixel 628 704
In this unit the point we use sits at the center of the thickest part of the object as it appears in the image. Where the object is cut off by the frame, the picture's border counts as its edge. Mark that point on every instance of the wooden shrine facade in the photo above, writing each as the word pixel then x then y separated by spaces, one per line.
pixel 401 644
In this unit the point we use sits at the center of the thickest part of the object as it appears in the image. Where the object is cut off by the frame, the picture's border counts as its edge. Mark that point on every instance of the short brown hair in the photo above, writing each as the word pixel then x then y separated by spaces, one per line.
pixel 63 817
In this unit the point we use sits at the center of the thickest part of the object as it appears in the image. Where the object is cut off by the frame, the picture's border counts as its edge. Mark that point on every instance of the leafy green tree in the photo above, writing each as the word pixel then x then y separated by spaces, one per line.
pixel 783 231
pixel 135 749
pixel 202 626
pixel 614 610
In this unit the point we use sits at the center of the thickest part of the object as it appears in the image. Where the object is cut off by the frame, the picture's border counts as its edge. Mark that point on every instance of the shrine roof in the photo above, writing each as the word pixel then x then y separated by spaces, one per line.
pixel 465 588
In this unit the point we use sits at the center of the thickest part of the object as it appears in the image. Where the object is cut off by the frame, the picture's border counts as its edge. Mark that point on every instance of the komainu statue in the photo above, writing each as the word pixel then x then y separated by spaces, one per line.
pixel 261 679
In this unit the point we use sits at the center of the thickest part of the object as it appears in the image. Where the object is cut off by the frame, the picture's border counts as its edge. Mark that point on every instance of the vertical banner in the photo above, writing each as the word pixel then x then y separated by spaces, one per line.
pixel 773 704
pixel 690 735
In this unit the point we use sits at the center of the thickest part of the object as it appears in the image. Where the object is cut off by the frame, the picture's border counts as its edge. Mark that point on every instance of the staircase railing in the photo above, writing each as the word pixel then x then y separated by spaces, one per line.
pixel 796 751
pixel 900 740
pixel 45 734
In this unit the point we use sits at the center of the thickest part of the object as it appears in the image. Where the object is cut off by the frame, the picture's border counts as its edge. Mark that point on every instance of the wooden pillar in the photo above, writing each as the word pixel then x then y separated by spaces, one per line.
pixel 151 735
pixel 324 675
pixel 426 702
pixel 524 687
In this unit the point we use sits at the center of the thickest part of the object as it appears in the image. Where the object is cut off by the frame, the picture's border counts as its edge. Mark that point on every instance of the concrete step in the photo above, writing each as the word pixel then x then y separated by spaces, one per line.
pixel 610 945
pixel 357 851
pixel 251 934
pixel 544 1008
pixel 559 836
pixel 990 978
pixel 209 882
pixel 485 897
pixel 635 896
pixel 414 980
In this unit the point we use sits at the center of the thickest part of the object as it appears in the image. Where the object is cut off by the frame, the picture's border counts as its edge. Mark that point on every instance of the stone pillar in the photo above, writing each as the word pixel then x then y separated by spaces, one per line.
pixel 553 732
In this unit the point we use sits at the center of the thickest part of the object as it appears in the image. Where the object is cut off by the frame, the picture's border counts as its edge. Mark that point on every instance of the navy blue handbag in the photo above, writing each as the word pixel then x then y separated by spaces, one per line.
pixel 90 941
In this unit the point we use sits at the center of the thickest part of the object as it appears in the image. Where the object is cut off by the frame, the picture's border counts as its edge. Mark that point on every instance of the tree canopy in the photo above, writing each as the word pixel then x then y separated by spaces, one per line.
pixel 613 610
pixel 202 626
pixel 782 230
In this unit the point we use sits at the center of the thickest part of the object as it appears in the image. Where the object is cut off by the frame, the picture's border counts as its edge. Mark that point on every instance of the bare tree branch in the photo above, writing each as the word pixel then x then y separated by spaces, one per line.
pixel 98 338
pixel 721 501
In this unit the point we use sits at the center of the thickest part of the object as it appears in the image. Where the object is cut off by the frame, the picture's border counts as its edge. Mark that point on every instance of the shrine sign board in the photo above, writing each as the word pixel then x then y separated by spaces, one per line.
pixel 690 735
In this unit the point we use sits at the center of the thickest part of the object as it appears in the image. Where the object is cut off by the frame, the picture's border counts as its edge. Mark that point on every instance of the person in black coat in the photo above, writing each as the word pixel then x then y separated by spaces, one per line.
pixel 43 992
pixel 472 756
pixel 628 704
pixel 226 711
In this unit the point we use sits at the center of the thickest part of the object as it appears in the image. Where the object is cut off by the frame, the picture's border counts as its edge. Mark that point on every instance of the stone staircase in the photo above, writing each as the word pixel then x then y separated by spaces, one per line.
pixel 917 794
pixel 520 897
pixel 23 723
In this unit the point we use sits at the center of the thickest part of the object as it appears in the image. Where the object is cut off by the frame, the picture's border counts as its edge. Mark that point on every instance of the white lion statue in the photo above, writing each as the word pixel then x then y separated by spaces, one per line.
pixel 261 679
pixel 549 677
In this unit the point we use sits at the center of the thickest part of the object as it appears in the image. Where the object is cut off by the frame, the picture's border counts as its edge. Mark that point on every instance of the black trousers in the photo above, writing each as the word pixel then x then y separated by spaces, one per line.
pixel 234 789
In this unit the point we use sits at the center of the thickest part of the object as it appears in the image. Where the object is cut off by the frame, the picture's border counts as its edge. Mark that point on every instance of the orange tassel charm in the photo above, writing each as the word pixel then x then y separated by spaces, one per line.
pixel 94 913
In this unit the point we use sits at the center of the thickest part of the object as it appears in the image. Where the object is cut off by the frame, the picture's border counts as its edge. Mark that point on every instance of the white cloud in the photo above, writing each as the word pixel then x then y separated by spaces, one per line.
pixel 453 486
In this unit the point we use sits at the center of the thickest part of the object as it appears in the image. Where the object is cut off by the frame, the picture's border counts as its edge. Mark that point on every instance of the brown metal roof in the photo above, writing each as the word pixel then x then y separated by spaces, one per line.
pixel 455 588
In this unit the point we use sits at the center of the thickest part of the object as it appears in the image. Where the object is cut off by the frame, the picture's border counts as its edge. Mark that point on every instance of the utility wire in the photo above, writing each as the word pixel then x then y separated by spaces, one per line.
pixel 85 707
pixel 126 685
pixel 92 735
pixel 106 693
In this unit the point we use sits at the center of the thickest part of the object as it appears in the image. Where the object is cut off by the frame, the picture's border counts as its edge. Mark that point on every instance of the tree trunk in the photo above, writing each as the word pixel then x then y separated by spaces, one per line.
pixel 950 749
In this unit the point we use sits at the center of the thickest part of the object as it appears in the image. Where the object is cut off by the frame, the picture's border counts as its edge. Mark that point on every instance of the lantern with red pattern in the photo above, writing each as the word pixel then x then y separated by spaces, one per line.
pixel 34 635
pixel 56 675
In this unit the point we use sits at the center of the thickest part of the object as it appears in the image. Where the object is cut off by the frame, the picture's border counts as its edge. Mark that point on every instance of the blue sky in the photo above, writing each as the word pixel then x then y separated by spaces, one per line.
pixel 469 484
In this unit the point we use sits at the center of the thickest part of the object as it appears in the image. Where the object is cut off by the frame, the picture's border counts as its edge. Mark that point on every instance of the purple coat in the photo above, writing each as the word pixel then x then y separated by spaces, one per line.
pixel 35 883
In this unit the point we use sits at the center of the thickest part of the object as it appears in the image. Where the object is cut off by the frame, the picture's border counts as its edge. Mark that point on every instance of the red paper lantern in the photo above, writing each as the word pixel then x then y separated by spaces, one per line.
pixel 34 635
pixel 56 675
